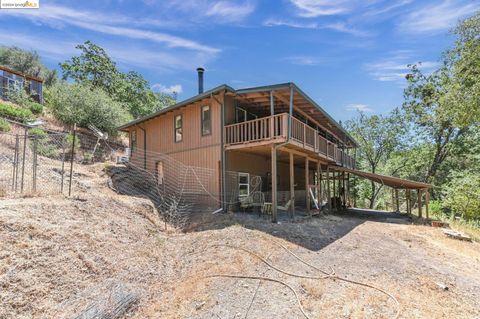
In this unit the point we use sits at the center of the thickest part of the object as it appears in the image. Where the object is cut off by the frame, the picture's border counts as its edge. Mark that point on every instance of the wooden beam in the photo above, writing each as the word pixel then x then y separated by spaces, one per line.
pixel 427 200
pixel 307 187
pixel 274 184
pixel 319 186
pixel 309 117
pixel 397 201
pixel 329 201
pixel 419 199
pixel 409 204
pixel 292 184
pixel 334 190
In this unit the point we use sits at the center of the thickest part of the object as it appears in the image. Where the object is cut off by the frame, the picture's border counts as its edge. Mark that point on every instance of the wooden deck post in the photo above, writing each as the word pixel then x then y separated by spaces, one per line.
pixel 307 187
pixel 397 201
pixel 409 204
pixel 292 184
pixel 319 186
pixel 427 200
pixel 334 177
pixel 329 198
pixel 419 199
pixel 274 184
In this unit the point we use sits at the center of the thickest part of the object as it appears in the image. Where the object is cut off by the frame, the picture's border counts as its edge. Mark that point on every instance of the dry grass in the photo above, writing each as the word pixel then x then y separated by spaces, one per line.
pixel 58 255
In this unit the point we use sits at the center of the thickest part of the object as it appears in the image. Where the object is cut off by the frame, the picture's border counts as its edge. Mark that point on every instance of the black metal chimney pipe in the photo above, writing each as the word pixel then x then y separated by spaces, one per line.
pixel 200 79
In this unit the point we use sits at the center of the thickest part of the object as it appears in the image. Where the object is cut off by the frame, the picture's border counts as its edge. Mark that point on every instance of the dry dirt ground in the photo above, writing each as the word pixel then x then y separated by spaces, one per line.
pixel 58 255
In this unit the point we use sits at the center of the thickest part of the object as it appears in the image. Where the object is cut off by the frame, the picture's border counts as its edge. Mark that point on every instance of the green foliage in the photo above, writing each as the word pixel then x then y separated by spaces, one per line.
pixel 15 113
pixel 463 62
pixel 26 62
pixel 37 133
pixel 378 138
pixel 68 142
pixel 75 103
pixel 22 99
pixel 95 69
pixel 462 196
pixel 35 108
pixel 42 143
pixel 4 126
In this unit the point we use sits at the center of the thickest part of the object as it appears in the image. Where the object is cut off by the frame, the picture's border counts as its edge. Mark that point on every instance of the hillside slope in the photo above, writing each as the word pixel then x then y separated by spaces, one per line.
pixel 59 255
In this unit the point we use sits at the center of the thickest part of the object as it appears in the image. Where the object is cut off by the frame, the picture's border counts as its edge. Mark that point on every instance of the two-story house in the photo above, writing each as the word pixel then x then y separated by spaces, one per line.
pixel 271 139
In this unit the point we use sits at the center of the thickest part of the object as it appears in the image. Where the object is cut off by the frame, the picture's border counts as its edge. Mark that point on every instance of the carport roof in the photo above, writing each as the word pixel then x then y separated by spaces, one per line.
pixel 390 181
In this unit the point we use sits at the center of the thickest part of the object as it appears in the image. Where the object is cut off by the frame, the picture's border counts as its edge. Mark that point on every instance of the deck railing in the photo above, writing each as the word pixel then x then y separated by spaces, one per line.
pixel 274 127
pixel 257 130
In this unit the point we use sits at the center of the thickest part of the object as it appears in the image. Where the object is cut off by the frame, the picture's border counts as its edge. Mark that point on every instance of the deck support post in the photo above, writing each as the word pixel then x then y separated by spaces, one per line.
pixel 329 198
pixel 419 199
pixel 307 187
pixel 409 204
pixel 290 113
pixel 427 200
pixel 334 177
pixel 319 187
pixel 274 184
pixel 292 184
pixel 397 201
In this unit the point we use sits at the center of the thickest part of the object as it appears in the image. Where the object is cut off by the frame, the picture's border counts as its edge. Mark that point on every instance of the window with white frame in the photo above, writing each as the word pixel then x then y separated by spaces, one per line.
pixel 178 123
pixel 243 184
pixel 206 120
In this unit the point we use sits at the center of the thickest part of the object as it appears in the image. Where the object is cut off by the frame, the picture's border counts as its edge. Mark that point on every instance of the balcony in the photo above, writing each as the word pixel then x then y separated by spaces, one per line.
pixel 274 129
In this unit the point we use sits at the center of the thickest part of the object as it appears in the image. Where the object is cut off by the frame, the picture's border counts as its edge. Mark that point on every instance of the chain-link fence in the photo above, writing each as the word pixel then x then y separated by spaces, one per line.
pixel 33 163
pixel 42 162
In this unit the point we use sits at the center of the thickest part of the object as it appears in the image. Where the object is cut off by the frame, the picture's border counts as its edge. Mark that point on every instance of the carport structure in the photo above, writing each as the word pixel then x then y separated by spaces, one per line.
pixel 397 184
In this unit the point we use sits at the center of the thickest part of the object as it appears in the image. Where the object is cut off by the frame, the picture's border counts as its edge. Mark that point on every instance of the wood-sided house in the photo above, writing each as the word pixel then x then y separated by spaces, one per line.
pixel 271 139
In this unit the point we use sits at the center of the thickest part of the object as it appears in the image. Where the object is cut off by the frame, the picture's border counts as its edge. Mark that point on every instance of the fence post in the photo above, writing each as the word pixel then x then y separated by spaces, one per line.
pixel 15 162
pixel 71 160
pixel 34 165
pixel 23 159
pixel 63 166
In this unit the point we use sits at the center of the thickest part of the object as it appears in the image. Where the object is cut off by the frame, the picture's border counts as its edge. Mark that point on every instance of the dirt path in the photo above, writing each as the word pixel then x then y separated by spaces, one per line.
pixel 56 253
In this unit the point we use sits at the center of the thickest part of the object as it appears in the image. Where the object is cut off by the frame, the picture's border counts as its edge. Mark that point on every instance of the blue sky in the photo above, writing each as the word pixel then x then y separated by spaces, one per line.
pixel 346 54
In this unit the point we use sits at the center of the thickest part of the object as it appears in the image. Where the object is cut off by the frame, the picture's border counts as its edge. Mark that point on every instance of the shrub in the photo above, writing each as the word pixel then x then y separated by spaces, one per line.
pixel 462 196
pixel 35 108
pixel 43 143
pixel 38 133
pixel 74 103
pixel 4 126
pixel 15 113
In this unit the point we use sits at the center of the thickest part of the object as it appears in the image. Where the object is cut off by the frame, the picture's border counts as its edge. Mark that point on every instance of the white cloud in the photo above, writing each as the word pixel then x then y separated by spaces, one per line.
pixel 359 108
pixel 303 60
pixel 117 25
pixel 339 26
pixel 230 11
pixel 316 8
pixel 172 89
pixel 394 67
pixel 439 16
pixel 162 60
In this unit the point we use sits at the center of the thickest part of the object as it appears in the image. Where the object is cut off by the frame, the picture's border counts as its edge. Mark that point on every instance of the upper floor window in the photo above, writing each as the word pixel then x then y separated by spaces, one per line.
pixel 206 120
pixel 133 140
pixel 178 128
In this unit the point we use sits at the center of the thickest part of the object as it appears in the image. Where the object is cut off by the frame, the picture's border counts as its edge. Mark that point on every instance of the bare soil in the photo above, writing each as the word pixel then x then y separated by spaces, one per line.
pixel 57 255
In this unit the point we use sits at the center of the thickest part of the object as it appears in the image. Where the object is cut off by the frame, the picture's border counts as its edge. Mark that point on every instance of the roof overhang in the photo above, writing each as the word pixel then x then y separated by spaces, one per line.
pixel 390 181
pixel 258 99
pixel 193 99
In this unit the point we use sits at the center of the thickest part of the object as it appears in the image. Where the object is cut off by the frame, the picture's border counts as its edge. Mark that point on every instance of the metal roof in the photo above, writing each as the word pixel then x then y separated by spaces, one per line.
pixel 245 91
pixel 30 77
pixel 177 105
pixel 390 181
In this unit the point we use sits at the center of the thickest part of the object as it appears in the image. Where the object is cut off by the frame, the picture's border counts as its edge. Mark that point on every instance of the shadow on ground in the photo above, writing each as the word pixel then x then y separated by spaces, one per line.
pixel 312 233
